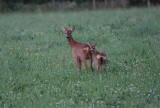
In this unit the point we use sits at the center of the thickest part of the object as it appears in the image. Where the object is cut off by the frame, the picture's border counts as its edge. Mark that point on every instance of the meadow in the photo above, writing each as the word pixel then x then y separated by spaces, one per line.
pixel 37 68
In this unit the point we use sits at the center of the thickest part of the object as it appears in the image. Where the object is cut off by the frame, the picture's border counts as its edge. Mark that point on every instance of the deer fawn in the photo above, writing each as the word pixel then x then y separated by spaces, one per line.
pixel 100 58
pixel 81 52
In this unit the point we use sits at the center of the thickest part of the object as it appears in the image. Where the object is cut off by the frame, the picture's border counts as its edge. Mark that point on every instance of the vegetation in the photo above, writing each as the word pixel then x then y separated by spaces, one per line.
pixel 37 68
pixel 48 5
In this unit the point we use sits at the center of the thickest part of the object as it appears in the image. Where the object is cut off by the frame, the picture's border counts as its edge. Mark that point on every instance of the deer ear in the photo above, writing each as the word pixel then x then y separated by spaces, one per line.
pixel 89 44
pixel 64 28
pixel 72 29
pixel 95 44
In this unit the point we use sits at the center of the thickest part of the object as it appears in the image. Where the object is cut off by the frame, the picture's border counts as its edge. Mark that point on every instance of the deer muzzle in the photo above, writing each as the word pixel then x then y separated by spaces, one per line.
pixel 67 37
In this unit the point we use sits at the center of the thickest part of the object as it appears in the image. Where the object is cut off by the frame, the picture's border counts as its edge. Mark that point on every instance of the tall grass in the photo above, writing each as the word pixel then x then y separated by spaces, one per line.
pixel 37 68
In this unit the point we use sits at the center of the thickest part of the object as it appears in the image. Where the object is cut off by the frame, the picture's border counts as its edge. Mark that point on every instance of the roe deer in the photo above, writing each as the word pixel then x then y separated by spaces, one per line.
pixel 100 58
pixel 80 51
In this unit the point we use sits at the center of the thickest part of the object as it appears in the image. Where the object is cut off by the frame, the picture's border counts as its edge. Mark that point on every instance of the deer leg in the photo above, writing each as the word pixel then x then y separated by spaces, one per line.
pixel 105 71
pixel 90 60
pixel 77 63
pixel 85 64
pixel 98 69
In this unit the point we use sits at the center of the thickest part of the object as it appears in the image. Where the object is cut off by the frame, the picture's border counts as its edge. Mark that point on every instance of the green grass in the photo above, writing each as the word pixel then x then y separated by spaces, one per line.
pixel 37 68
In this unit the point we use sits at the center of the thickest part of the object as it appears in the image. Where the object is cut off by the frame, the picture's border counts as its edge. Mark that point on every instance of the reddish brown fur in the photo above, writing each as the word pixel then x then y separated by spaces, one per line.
pixel 80 51
pixel 100 58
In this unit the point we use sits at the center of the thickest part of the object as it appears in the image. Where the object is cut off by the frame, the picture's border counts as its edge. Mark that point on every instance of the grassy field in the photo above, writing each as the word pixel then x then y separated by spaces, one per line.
pixel 37 68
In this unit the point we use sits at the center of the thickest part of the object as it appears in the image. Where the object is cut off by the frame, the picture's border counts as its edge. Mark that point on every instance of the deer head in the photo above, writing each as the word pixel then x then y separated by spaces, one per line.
pixel 68 32
pixel 92 46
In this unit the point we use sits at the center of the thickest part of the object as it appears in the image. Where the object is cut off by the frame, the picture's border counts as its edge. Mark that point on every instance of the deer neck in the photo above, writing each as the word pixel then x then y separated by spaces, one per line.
pixel 71 41
pixel 95 53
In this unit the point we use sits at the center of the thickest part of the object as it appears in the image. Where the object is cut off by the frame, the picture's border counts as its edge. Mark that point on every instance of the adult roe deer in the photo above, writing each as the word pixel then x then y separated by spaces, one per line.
pixel 81 52
pixel 100 58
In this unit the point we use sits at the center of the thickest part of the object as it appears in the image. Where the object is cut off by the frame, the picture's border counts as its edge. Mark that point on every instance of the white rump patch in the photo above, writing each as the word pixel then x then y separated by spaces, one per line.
pixel 99 56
